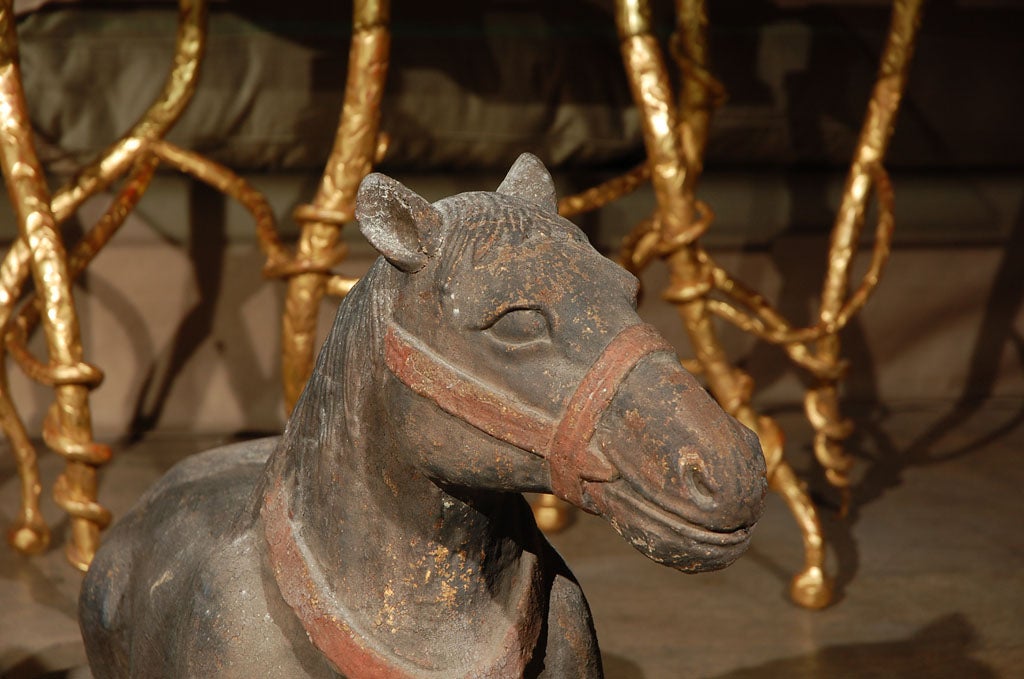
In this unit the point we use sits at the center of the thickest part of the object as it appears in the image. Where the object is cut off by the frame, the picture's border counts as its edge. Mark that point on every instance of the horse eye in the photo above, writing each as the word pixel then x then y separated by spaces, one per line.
pixel 520 326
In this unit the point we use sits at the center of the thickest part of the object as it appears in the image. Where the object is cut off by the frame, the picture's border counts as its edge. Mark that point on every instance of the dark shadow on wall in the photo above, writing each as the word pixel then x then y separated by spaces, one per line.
pixel 216 313
pixel 942 650
pixel 33 577
pixel 207 246
pixel 1003 310
pixel 60 661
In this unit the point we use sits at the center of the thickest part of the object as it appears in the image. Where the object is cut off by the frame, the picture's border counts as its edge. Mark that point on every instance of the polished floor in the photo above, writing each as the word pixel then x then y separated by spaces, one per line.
pixel 929 565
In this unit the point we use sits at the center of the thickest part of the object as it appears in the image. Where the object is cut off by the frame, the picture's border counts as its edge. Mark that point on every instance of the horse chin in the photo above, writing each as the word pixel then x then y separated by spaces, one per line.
pixel 664 536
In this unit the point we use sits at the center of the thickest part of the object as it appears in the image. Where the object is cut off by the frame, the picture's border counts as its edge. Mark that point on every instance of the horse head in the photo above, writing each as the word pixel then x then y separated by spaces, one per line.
pixel 516 361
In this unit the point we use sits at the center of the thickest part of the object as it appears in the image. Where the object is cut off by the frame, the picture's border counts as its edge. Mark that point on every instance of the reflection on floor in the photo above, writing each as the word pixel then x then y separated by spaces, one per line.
pixel 930 564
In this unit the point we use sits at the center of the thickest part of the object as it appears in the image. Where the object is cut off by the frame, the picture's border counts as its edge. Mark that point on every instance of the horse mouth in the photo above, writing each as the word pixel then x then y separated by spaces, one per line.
pixel 664 535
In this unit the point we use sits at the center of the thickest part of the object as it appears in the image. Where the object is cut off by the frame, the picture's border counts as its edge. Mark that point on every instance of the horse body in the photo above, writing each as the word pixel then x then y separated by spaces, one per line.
pixel 189 592
pixel 489 351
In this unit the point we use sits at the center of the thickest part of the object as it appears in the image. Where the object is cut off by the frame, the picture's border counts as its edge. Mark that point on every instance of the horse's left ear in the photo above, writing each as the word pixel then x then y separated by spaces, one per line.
pixel 397 221
pixel 530 180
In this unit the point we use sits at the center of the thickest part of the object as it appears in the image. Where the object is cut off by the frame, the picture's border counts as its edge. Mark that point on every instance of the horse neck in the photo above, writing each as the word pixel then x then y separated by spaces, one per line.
pixel 384 535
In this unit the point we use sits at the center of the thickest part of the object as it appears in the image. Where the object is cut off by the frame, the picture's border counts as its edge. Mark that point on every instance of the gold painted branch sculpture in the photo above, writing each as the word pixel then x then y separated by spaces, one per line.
pixel 675 128
pixel 40 251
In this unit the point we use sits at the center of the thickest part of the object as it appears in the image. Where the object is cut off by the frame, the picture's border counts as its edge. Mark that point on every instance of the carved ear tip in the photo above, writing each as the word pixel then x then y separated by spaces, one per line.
pixel 371 185
pixel 529 165
pixel 529 179
pixel 395 220
pixel 527 157
pixel 375 181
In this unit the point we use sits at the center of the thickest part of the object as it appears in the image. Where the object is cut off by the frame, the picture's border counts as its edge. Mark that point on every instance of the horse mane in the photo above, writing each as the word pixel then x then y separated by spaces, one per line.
pixel 356 335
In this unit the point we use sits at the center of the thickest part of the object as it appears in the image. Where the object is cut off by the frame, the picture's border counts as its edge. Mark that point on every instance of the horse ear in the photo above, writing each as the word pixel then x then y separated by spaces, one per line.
pixel 396 221
pixel 530 180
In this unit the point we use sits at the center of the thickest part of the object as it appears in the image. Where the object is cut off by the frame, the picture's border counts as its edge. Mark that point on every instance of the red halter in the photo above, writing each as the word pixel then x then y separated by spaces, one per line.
pixel 564 443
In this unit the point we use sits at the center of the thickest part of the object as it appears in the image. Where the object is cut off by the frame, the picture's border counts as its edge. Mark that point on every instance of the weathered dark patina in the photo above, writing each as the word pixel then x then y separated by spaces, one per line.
pixel 489 351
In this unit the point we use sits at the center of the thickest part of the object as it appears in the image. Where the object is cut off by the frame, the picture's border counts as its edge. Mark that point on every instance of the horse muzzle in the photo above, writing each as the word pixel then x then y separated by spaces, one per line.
pixel 690 480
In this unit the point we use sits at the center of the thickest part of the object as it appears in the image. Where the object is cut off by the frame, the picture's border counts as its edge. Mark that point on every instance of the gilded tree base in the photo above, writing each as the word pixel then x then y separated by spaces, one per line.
pixel 551 514
pixel 29 536
pixel 811 588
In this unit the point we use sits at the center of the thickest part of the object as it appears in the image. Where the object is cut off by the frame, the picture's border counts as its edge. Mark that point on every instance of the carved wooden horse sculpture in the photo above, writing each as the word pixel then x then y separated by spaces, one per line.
pixel 489 351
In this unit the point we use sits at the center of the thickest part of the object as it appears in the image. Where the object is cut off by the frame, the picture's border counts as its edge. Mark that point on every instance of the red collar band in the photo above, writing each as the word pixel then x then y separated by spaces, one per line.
pixel 357 654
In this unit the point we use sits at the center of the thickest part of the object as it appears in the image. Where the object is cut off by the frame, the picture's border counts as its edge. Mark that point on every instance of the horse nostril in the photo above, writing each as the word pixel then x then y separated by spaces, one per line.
pixel 697 485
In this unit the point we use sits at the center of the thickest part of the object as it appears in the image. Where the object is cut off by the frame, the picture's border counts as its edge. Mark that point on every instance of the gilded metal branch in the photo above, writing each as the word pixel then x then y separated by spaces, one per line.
pixel 355 148
pixel 675 143
pixel 605 192
pixel 155 122
pixel 69 429
pixel 822 402
pixel 79 258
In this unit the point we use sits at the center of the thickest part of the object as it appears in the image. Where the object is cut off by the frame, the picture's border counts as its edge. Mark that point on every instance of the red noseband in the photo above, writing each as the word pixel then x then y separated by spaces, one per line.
pixel 565 442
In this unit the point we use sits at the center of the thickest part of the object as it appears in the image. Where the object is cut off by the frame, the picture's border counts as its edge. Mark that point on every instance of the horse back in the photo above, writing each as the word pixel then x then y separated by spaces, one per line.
pixel 146 591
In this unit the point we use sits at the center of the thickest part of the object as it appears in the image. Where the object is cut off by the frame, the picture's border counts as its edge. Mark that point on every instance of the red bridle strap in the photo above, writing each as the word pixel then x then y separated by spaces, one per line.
pixel 570 456
pixel 565 443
